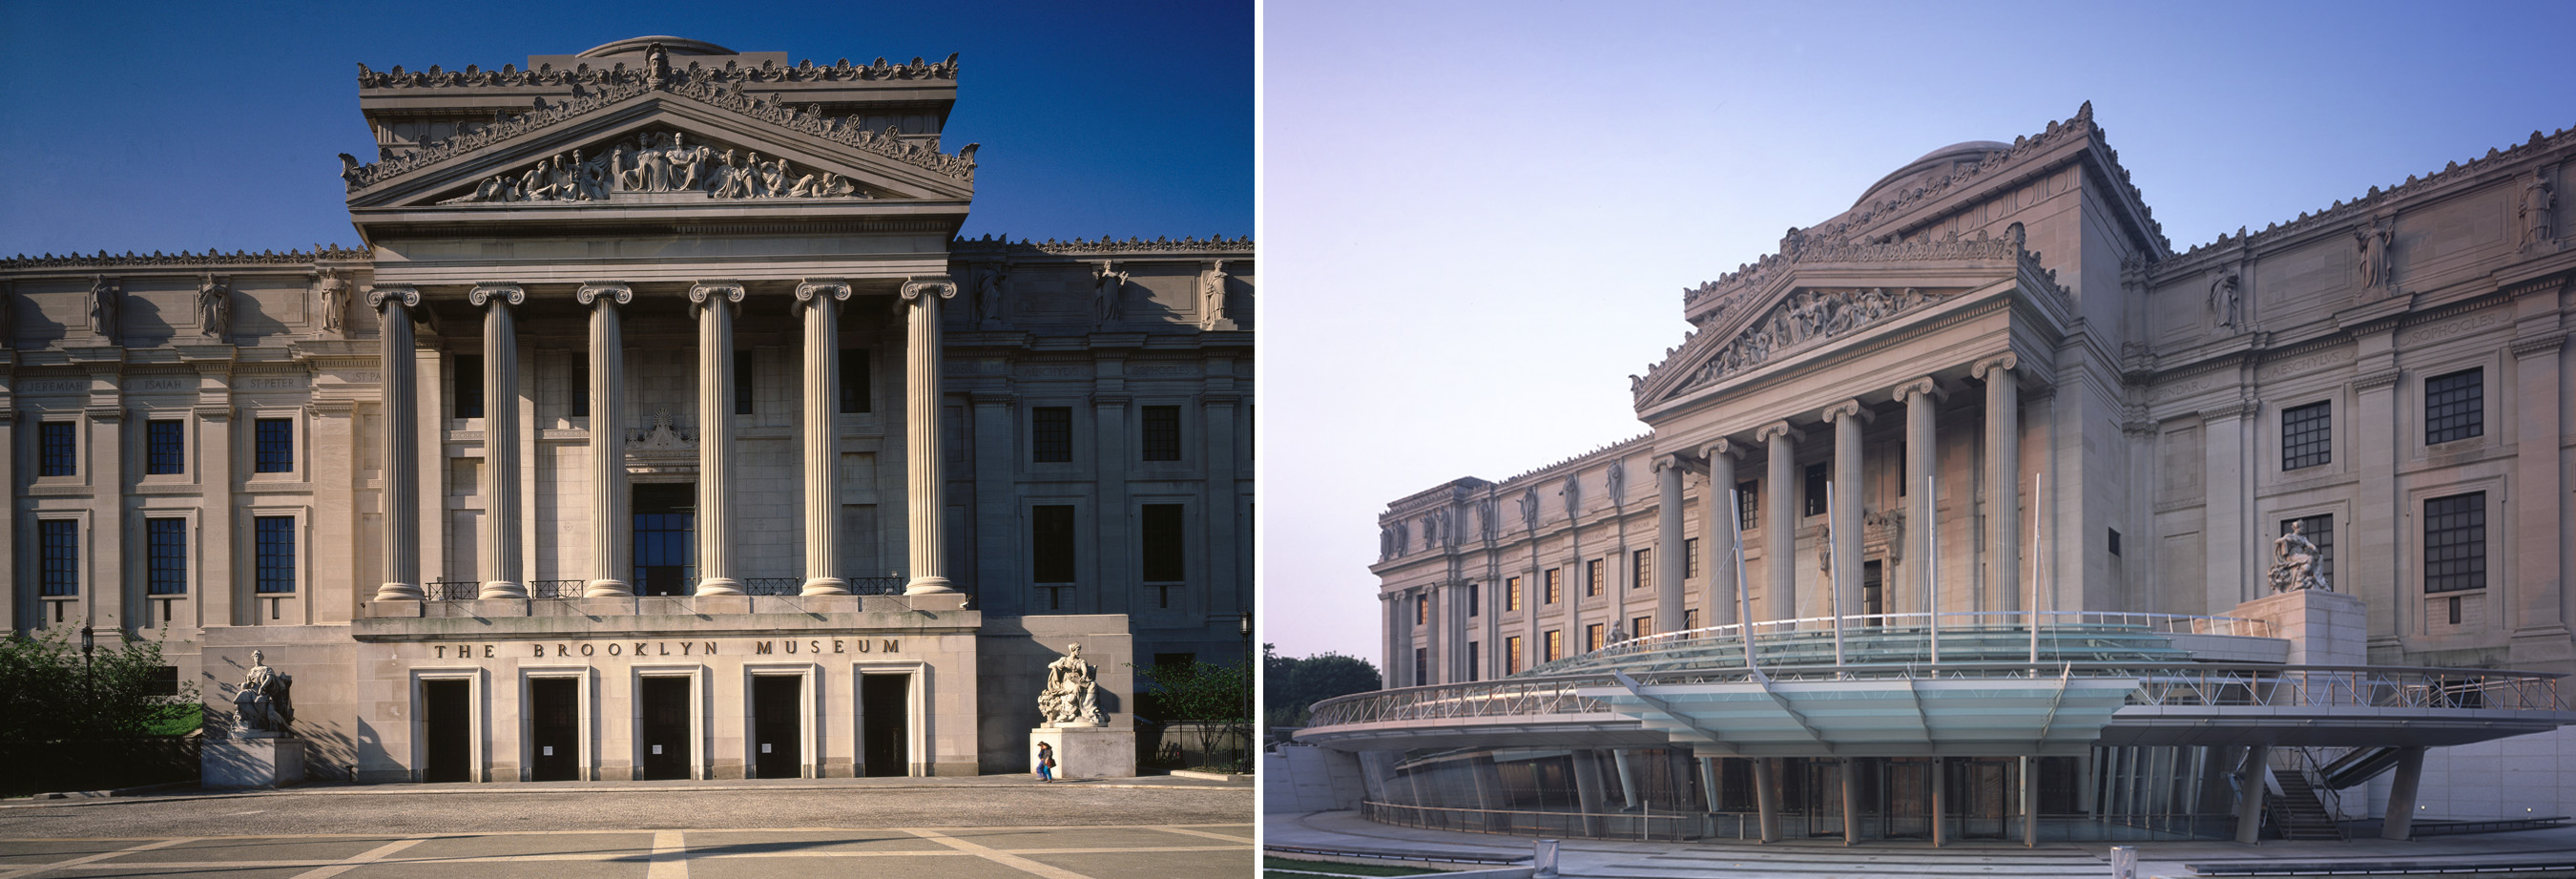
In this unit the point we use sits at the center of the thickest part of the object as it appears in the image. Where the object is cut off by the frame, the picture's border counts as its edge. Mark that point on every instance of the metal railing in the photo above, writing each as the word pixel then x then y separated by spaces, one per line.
pixel 556 588
pixel 1963 622
pixel 1645 824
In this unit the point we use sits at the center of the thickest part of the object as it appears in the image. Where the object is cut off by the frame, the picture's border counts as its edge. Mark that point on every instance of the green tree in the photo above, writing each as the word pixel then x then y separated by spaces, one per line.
pixel 49 693
pixel 1291 686
pixel 1209 695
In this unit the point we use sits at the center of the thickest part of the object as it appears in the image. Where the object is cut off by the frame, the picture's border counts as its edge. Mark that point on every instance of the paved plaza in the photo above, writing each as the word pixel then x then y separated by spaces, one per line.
pixel 997 827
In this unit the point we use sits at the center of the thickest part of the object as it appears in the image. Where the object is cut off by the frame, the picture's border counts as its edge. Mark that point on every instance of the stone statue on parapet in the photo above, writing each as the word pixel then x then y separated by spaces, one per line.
pixel 1070 698
pixel 2294 564
pixel 214 308
pixel 264 706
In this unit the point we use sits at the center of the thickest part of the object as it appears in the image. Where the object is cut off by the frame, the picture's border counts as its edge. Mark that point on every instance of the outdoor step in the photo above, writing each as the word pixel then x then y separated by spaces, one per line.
pixel 1732 863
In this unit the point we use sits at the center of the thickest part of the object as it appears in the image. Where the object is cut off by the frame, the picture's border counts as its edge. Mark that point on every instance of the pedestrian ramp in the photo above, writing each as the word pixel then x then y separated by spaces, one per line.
pixel 1817 862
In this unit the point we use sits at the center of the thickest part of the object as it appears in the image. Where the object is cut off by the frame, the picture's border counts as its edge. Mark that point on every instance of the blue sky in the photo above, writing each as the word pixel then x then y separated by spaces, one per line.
pixel 1478 217
pixel 184 126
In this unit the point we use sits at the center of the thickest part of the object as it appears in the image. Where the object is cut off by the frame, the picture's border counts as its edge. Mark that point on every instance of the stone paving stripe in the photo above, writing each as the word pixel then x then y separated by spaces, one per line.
pixel 1184 830
pixel 670 851
pixel 369 856
pixel 30 871
pixel 998 856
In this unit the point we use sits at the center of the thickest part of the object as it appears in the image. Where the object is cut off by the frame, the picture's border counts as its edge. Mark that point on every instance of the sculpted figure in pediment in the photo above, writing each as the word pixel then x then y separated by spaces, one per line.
pixel 688 164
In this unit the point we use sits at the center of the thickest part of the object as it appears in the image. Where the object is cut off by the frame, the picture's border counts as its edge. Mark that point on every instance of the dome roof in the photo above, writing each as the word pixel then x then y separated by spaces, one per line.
pixel 673 45
pixel 1932 164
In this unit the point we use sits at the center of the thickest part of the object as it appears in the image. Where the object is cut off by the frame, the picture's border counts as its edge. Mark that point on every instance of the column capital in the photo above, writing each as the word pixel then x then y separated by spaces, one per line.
pixel 1777 429
pixel 612 291
pixel 484 294
pixel 1851 409
pixel 1717 447
pixel 1926 386
pixel 405 295
pixel 729 291
pixel 936 285
pixel 809 288
pixel 2005 361
pixel 1682 461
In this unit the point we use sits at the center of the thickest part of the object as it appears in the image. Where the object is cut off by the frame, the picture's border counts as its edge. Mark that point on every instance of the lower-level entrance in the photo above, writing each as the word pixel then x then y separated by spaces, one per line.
pixel 883 703
pixel 664 728
pixel 778 726
pixel 554 729
pixel 447 730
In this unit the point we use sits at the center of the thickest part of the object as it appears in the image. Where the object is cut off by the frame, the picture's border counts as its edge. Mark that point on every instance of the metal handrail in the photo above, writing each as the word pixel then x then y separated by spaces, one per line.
pixel 556 588
pixel 2160 623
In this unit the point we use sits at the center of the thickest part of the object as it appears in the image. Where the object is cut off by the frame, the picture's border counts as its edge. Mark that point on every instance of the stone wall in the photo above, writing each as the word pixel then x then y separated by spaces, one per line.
pixel 1015 653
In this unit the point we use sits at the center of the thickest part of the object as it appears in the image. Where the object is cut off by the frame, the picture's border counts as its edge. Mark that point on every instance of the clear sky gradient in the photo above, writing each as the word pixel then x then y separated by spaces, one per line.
pixel 187 126
pixel 1478 218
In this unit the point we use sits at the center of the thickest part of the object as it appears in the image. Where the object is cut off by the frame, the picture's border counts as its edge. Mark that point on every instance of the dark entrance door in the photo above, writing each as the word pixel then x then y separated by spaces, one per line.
pixel 666 727
pixel 777 722
pixel 1873 593
pixel 666 542
pixel 1977 796
pixel 1824 797
pixel 1908 783
pixel 882 702
pixel 447 727
pixel 554 729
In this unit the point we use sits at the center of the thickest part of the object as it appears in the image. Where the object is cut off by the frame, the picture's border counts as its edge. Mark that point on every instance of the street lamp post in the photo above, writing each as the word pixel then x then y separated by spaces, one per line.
pixel 89 642
pixel 1251 713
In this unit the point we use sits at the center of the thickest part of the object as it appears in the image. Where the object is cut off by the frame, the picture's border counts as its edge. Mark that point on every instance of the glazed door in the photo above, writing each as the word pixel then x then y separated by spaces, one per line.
pixel 666 539
pixel 1907 782
pixel 778 726
pixel 554 729
pixel 884 701
pixel 447 729
pixel 664 731
pixel 1978 790
pixel 1824 797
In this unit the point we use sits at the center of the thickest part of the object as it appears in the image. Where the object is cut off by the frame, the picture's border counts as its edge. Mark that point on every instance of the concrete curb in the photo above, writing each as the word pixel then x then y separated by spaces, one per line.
pixel 116 792
pixel 103 798
pixel 1211 776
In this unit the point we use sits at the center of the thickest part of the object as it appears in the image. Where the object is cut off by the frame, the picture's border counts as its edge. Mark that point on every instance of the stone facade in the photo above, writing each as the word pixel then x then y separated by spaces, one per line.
pixel 740 278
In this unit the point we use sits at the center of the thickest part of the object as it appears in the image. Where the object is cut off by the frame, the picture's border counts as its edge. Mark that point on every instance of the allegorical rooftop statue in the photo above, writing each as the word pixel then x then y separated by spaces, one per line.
pixel 263 707
pixel 1069 698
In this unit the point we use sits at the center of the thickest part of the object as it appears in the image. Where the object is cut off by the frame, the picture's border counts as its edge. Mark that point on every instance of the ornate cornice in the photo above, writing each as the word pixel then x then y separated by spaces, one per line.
pixel 612 291
pixel 1805 320
pixel 1102 246
pixel 473 76
pixel 2543 345
pixel 2380 379
pixel 103 259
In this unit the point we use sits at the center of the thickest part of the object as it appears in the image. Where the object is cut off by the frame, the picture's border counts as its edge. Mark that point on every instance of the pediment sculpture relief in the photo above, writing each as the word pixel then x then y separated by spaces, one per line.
pixel 1808 317
pixel 661 161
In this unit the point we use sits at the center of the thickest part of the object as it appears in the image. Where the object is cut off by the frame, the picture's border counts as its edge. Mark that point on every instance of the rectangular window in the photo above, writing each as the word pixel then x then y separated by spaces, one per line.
pixel 1162 544
pixel 1816 489
pixel 1475 600
pixel 1162 433
pixel 855 396
pixel 276 553
pixel 1641 627
pixel 1592 637
pixel 743 388
pixel 1422 610
pixel 1511 594
pixel 1592 578
pixel 1748 504
pixel 1555 646
pixel 2115 541
pixel 469 385
pixel 276 449
pixel 2319 530
pixel 1690 558
pixel 60 547
pixel 2306 435
pixel 2455 406
pixel 1421 666
pixel 165 556
pixel 577 390
pixel 1472 660
pixel 1553 588
pixel 1512 655
pixel 1051 434
pixel 165 445
pixel 1690 618
pixel 61 451
pixel 2455 542
pixel 1051 543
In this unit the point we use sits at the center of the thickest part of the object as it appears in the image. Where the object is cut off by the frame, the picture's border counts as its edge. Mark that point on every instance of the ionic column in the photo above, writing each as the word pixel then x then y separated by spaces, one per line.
pixel 1670 558
pixel 921 447
pixel 1919 552
pixel 715 302
pixel 1716 544
pixel 611 534
pixel 822 435
pixel 401 445
pixel 1848 503
pixel 500 440
pixel 2003 484
pixel 1779 522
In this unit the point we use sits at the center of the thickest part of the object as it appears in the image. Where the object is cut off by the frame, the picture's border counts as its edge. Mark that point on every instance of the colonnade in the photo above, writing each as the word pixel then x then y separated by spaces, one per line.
pixel 713 304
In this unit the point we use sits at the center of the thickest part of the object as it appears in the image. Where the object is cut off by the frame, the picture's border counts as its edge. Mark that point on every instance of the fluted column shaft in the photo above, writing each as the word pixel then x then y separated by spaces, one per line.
pixel 1670 559
pixel 1717 540
pixel 714 303
pixel 500 442
pixel 921 446
pixel 397 367
pixel 1846 514
pixel 2003 485
pixel 1919 436
pixel 822 434
pixel 1780 521
pixel 611 532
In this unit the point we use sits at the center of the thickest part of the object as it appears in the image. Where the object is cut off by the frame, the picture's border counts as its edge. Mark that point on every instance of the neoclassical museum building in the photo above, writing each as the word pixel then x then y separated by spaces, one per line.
pixel 2047 530
pixel 660 426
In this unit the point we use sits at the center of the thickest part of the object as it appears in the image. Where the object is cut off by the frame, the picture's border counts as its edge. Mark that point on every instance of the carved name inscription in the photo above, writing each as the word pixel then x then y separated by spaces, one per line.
pixel 272 383
pixel 623 649
pixel 2451 328
pixel 162 384
pixel 57 386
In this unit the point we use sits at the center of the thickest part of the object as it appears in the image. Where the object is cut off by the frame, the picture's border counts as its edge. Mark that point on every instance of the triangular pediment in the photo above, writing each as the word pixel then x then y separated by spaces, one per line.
pixel 1794 321
pixel 652 147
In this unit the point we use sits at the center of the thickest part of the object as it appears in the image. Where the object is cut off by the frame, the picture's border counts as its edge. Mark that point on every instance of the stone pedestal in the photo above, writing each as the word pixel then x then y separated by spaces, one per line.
pixel 2324 628
pixel 253 762
pixel 1087 751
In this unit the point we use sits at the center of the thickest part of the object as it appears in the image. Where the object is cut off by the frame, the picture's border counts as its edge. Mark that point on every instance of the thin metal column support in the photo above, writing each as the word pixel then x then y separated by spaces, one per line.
pixel 1766 799
pixel 2400 823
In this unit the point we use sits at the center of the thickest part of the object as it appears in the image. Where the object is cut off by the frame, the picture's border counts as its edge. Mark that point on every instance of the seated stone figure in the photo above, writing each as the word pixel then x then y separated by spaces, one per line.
pixel 263 706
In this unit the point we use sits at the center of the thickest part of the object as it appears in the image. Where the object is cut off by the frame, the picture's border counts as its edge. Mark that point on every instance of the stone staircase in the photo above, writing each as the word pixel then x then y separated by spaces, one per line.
pixel 2298 813
pixel 1824 862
